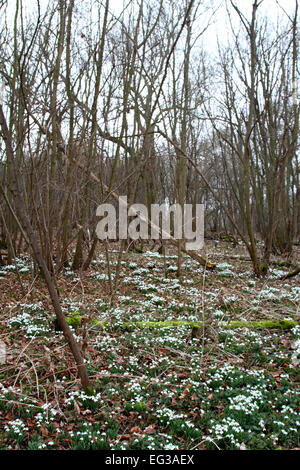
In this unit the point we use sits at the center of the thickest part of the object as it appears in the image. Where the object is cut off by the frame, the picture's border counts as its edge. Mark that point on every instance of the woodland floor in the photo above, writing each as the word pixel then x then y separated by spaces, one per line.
pixel 156 387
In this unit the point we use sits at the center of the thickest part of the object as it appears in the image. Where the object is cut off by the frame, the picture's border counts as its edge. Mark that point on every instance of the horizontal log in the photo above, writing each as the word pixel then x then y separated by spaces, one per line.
pixel 76 320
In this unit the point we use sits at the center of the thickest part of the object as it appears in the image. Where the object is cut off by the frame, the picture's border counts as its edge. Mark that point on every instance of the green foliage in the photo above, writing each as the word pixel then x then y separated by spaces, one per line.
pixel 74 319
pixel 268 324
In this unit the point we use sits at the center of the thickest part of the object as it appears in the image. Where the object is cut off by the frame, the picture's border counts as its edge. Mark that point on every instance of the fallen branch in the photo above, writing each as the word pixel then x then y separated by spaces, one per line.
pixel 172 240
pixel 75 320
pixel 291 274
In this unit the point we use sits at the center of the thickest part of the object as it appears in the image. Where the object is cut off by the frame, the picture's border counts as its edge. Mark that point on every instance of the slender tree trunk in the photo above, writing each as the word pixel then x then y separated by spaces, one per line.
pixel 23 216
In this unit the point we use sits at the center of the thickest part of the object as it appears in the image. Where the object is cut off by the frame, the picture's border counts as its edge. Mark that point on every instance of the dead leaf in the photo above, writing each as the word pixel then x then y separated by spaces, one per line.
pixel 276 374
pixel 44 431
pixel 185 392
pixel 69 441
pixel 123 437
pixel 76 408
pixel 150 429
pixel 162 351
pixel 136 430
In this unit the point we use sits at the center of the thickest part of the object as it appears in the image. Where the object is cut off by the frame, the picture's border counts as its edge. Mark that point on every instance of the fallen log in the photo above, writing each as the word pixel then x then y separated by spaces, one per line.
pixel 76 320
pixel 291 274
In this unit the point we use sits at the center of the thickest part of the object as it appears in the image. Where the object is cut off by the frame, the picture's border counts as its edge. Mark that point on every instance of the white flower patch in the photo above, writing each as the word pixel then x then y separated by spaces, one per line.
pixel 24 270
pixel 20 265
pixel 155 299
pixel 272 293
pixel 229 299
pixel 227 428
pixel 9 267
pixel 32 320
pixel 106 343
pixel 98 262
pixel 83 398
pixel 132 265
pixel 296 331
pixel 254 337
pixel 296 353
pixel 124 298
pixel 248 404
pixel 172 284
pixel 162 441
pixel 89 434
pixel 150 254
pixel 70 306
pixel 166 415
pixel 69 272
pixel 218 313
pixel 140 271
pixel 146 287
pixel 47 414
pixel 223 266
pixel 140 396
pixel 102 277
pixel 17 427
pixel 225 269
pixel 172 268
pixel 276 273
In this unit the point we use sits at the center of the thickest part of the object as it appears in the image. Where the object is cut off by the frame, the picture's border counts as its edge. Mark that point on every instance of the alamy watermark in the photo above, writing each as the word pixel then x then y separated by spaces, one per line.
pixel 185 222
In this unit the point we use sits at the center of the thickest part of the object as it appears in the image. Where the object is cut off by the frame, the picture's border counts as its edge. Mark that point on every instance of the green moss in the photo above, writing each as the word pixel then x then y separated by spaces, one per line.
pixel 89 391
pixel 268 324
pixel 162 324
pixel 263 268
pixel 141 406
pixel 74 319
pixel 281 263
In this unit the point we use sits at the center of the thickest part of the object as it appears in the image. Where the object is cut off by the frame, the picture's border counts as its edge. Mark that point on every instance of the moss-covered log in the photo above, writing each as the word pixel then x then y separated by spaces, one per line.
pixel 76 319
pixel 291 274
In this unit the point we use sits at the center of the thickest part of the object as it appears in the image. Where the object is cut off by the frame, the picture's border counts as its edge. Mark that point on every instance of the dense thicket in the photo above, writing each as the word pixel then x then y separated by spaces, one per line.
pixel 137 99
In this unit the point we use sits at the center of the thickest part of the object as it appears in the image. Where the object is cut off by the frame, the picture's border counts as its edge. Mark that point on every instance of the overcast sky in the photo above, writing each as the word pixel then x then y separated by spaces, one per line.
pixel 268 7
pixel 219 28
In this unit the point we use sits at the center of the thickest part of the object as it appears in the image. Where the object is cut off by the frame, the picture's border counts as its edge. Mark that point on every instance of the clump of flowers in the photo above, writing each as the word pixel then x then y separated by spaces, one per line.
pixel 32 319
pixel 17 430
